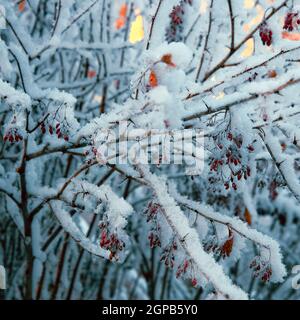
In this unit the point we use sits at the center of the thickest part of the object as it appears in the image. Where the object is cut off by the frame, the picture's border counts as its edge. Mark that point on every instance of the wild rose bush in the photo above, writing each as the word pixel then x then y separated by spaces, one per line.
pixel 76 226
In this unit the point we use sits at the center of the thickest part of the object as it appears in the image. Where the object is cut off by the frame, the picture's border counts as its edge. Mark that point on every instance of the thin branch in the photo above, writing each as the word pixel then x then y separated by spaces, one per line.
pixel 206 42
pixel 11 196
pixel 231 24
pixel 46 150
pixel 236 48
pixel 152 24
pixel 40 206
pixel 293 186
pixel 227 106
pixel 58 12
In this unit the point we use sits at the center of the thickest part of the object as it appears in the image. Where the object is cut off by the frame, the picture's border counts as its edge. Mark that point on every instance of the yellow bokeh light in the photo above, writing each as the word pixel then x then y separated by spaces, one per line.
pixel 220 96
pixel 249 49
pixel 137 30
pixel 249 4
pixel 203 6
pixel 98 98
pixel 256 20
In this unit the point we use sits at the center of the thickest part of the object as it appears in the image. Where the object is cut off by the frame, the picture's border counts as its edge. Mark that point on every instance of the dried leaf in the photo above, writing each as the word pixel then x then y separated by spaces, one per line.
pixel 272 74
pixel 248 217
pixel 22 5
pixel 153 79
pixel 167 59
pixel 228 245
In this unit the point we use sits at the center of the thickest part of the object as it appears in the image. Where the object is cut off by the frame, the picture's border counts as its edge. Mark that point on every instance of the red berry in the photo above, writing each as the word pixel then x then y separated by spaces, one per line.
pixel 291 20
pixel 194 282
pixel 265 34
pixel 250 148
pixel 248 171
pixel 185 266
pixel 229 136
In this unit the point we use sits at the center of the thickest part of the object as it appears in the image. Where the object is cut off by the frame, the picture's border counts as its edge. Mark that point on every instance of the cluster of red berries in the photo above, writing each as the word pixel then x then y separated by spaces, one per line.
pixel 215 163
pixel 262 269
pixel 13 135
pixel 152 210
pixel 169 251
pixel 57 129
pixel 231 157
pixel 291 21
pixel 168 255
pixel 154 240
pixel 109 241
pixel 265 34
pixel 91 154
pixel 183 269
pixel 176 15
pixel 267 275
pixel 240 174
pixel 273 190
pixel 175 30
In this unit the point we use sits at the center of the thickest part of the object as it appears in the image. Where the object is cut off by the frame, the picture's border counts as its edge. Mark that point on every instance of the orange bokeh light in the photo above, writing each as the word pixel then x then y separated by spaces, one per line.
pixel 291 36
pixel 121 21
pixel 22 5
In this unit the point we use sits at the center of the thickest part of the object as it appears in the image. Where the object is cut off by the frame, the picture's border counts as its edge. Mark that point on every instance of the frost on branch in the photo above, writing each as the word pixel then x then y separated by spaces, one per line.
pixel 270 251
pixel 70 227
pixel 188 239
pixel 112 234
pixel 16 99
